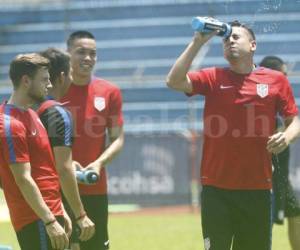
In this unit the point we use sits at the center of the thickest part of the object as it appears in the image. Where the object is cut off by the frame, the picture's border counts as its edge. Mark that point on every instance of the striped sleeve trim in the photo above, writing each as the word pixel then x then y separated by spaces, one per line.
pixel 67 125
pixel 8 134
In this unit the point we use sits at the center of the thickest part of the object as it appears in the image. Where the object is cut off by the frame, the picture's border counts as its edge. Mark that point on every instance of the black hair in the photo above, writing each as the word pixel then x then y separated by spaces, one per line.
pixel 78 35
pixel 236 23
pixel 272 62
pixel 59 62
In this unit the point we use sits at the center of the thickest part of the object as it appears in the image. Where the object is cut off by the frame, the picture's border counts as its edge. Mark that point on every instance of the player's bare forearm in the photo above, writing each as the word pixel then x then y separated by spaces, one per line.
pixel 116 136
pixel 292 130
pixel 63 163
pixel 30 191
pixel 66 172
pixel 177 77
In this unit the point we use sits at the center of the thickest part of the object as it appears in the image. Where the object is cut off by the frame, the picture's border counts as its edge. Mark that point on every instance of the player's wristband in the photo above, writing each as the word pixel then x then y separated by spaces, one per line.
pixel 50 222
pixel 81 216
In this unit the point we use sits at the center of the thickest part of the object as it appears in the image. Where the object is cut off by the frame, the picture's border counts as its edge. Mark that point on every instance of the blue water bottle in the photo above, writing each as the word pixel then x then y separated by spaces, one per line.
pixel 87 177
pixel 208 24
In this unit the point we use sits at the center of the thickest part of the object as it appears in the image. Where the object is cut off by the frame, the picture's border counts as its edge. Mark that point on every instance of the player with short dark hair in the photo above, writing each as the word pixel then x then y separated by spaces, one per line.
pixel 78 35
pixel 27 168
pixel 285 203
pixel 241 102
pixel 96 105
pixel 59 125
pixel 275 63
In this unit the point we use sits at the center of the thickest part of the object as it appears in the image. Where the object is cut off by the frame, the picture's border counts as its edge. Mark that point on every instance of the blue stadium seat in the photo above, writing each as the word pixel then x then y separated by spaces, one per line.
pixel 142 41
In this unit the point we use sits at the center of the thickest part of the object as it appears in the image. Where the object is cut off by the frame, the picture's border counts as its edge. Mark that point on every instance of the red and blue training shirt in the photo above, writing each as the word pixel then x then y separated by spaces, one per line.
pixel 24 139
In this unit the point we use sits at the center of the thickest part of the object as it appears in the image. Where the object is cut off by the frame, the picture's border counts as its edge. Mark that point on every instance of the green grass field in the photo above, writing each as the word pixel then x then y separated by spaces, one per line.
pixel 157 231
pixel 154 232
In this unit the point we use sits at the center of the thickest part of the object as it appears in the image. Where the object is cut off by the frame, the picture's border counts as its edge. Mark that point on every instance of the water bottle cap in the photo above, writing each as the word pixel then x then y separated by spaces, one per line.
pixel 228 31
pixel 94 177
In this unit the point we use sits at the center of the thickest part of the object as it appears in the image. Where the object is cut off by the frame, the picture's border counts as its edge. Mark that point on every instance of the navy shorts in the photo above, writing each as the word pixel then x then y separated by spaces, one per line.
pixel 34 236
pixel 96 207
pixel 236 219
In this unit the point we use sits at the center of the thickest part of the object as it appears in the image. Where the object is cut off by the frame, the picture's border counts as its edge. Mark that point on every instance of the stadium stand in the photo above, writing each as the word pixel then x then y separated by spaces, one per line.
pixel 139 40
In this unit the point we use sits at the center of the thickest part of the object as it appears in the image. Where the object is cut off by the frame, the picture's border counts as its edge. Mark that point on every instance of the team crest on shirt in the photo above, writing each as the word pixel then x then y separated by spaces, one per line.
pixel 99 103
pixel 262 89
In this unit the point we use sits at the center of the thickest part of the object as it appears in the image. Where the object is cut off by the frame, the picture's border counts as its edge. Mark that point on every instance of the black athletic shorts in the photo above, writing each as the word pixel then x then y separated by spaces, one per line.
pixel 96 207
pixel 285 202
pixel 240 219
pixel 34 236
pixel 286 205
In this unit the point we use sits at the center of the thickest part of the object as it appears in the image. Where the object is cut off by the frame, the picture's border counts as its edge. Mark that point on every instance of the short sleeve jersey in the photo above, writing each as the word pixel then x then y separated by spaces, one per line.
pixel 94 107
pixel 58 123
pixel 24 139
pixel 239 116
